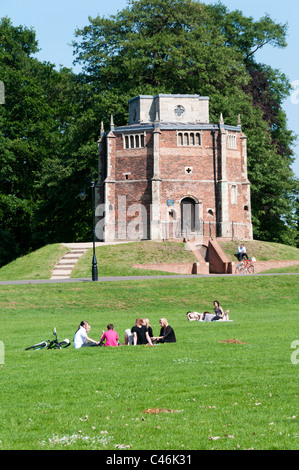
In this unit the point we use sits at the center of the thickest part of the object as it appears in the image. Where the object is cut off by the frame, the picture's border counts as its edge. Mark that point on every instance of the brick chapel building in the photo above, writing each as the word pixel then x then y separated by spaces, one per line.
pixel 171 174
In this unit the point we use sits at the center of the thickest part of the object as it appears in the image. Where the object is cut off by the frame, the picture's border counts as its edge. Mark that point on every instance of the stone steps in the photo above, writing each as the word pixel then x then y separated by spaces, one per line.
pixel 64 267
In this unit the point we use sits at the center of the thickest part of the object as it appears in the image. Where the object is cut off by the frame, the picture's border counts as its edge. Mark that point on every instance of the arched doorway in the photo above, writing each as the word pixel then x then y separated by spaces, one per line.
pixel 187 215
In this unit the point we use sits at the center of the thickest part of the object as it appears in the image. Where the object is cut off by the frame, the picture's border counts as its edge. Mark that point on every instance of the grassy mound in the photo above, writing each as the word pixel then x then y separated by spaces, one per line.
pixel 117 260
pixel 37 265
pixel 262 251
pixel 113 260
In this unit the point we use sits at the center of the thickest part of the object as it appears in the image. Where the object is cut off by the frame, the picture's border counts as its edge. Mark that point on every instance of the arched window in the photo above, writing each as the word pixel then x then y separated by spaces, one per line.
pixel 233 195
pixel 189 139
pixel 232 141
pixel 186 138
pixel 134 141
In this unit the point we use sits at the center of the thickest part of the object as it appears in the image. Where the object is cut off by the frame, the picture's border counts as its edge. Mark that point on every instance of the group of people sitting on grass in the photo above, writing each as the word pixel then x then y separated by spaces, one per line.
pixel 218 315
pixel 140 333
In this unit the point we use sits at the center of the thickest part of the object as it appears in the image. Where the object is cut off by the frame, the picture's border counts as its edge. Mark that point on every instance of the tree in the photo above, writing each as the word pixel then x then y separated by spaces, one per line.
pixel 33 124
pixel 157 46
pixel 246 35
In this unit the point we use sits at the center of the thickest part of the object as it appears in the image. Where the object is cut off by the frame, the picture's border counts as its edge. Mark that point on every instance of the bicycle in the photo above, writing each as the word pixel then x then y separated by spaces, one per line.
pixel 246 266
pixel 50 344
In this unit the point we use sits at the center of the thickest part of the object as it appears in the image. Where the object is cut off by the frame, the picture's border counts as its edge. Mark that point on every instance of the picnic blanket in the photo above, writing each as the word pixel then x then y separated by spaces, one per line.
pixel 216 321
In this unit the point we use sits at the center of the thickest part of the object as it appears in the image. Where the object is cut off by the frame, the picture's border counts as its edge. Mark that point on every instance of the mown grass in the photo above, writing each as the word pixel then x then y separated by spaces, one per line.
pixel 288 269
pixel 262 251
pixel 117 260
pixel 211 394
pixel 37 265
pixel 113 260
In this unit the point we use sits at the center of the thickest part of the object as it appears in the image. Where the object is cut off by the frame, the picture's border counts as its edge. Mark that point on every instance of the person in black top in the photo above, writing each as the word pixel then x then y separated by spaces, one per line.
pixel 166 333
pixel 219 313
pixel 140 333
pixel 149 328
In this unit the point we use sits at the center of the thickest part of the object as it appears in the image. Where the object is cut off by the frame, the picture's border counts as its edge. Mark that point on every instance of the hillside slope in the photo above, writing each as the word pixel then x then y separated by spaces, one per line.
pixel 117 260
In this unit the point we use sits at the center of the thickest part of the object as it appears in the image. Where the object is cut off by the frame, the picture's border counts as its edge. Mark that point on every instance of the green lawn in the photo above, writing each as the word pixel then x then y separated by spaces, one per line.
pixel 37 265
pixel 113 260
pixel 210 394
pixel 262 251
pixel 117 260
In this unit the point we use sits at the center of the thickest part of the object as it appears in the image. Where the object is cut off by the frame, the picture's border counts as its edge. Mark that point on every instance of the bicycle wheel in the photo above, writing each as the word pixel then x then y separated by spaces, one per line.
pixel 251 269
pixel 64 344
pixel 240 269
pixel 38 346
pixel 53 344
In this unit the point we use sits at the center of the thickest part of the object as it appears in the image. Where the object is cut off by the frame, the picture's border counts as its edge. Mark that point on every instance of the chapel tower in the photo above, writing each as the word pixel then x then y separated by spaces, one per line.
pixel 171 174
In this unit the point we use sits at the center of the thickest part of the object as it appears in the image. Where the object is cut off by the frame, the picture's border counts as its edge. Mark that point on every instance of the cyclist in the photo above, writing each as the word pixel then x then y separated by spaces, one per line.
pixel 241 253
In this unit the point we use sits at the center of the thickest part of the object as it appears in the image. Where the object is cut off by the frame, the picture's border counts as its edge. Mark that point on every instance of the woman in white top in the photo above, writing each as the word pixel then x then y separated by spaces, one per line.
pixel 81 338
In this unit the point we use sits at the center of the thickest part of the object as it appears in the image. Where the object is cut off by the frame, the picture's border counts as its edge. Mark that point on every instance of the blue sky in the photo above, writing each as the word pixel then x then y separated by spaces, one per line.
pixel 55 22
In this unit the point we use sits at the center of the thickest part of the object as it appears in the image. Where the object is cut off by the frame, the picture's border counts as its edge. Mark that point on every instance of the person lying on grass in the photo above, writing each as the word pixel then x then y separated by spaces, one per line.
pixel 207 316
pixel 195 316
pixel 81 338
pixel 167 334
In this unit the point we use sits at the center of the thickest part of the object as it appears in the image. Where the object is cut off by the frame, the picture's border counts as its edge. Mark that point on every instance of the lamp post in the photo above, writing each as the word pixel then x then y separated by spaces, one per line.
pixel 94 259
pixel 82 196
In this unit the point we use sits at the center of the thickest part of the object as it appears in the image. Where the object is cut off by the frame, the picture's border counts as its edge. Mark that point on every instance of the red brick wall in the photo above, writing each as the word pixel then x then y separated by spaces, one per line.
pixel 132 171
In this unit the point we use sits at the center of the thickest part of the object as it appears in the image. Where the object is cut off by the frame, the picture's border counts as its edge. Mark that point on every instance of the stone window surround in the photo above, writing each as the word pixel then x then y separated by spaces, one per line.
pixel 233 193
pixel 134 140
pixel 232 141
pixel 189 138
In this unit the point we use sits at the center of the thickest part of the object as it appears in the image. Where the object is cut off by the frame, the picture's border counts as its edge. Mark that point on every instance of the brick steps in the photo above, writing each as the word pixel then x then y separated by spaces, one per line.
pixel 218 261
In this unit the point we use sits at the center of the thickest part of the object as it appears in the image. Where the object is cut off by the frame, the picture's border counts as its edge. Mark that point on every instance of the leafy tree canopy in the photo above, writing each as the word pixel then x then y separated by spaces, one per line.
pixel 34 131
